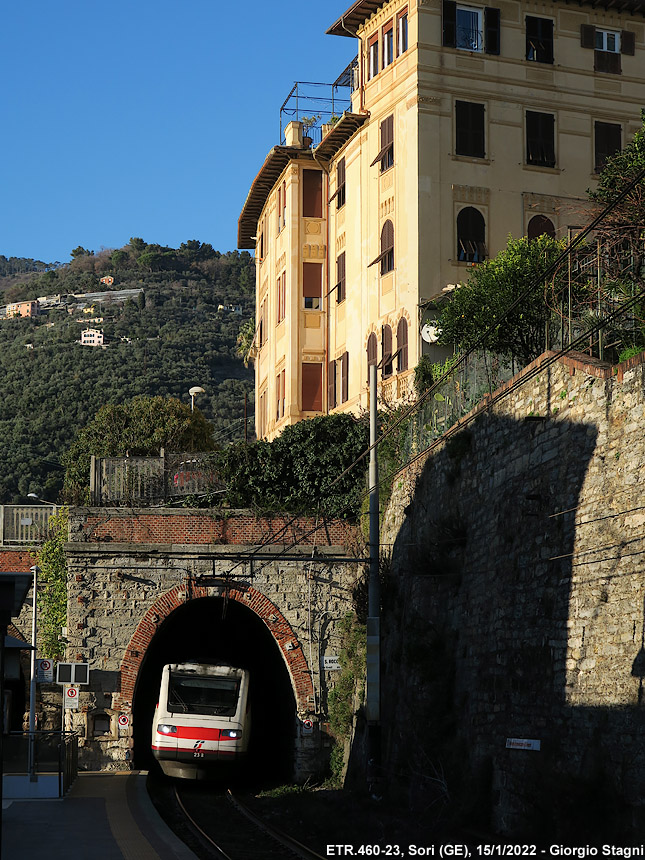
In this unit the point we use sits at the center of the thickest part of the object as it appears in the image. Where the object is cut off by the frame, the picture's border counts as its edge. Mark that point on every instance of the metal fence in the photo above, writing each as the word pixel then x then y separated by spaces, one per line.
pixel 24 524
pixel 55 761
pixel 146 481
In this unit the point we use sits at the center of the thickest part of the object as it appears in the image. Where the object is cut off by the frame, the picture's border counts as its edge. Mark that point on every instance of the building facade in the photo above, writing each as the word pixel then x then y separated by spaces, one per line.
pixel 92 337
pixel 467 124
pixel 22 309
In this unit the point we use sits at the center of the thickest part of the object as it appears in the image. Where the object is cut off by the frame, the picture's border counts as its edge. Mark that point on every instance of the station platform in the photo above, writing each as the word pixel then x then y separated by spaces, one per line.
pixel 107 816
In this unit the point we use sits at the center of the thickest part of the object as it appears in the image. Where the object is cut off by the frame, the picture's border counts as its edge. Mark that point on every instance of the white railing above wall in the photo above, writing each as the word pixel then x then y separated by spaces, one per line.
pixel 24 524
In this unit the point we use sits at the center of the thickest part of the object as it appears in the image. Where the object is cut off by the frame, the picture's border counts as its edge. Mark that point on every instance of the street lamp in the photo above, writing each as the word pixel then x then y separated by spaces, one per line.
pixel 38 499
pixel 196 389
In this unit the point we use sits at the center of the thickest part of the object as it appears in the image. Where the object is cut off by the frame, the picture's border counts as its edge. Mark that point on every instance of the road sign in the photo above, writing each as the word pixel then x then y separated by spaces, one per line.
pixel 124 720
pixel 44 671
pixel 522 744
pixel 307 727
pixel 70 697
pixel 331 663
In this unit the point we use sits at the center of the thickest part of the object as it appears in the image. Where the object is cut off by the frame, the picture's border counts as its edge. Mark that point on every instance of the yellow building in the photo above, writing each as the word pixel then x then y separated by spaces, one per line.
pixel 467 124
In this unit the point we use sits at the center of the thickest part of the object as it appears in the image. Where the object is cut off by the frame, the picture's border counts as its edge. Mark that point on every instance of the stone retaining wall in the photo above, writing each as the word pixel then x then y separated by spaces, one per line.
pixel 516 607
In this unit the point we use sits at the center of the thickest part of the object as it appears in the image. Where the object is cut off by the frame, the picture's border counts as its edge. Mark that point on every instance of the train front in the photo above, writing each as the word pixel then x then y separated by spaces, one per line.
pixel 201 719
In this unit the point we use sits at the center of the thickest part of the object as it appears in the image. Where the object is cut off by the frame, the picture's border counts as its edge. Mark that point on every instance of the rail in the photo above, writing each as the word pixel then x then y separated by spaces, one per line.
pixel 24 524
pixel 55 760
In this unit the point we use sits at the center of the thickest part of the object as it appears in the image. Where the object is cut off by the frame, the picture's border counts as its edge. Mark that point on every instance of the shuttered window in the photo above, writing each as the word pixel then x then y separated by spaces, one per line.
pixel 388 44
pixel 331 385
pixel 471 236
pixel 540 225
pixel 540 139
pixel 386 255
pixel 312 194
pixel 607 45
pixel 386 351
pixel 471 28
pixel 373 56
pixel 340 278
pixel 607 142
pixel 312 285
pixel 539 39
pixel 402 32
pixel 386 152
pixel 311 387
pixel 280 395
pixel 402 345
pixel 469 123
pixel 340 184
pixel 344 377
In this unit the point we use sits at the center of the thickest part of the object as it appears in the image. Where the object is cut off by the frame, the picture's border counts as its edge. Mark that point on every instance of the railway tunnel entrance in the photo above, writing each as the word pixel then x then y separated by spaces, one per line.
pixel 214 630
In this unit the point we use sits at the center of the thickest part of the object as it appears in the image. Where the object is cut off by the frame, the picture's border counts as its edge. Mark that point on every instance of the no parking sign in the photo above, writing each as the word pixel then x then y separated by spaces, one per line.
pixel 124 721
pixel 44 671
pixel 70 697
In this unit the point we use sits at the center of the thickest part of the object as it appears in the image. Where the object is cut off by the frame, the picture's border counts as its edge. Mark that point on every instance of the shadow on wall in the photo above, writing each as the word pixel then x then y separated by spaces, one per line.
pixel 475 646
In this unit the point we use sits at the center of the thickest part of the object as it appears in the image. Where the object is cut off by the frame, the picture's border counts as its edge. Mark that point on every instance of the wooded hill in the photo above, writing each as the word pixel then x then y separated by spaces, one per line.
pixel 51 386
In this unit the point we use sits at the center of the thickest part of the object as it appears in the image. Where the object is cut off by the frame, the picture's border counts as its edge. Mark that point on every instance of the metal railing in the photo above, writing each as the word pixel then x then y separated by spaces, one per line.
pixel 55 754
pixel 151 480
pixel 24 524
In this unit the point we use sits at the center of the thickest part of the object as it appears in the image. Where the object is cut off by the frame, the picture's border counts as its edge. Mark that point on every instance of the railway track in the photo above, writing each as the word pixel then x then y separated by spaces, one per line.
pixel 228 830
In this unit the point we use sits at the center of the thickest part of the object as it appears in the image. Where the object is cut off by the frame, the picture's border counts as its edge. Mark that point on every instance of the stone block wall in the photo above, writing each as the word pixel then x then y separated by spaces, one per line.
pixel 516 607
pixel 129 571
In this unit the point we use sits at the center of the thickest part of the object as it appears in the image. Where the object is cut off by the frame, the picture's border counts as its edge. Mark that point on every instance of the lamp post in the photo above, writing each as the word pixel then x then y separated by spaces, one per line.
pixel 32 681
pixel 196 389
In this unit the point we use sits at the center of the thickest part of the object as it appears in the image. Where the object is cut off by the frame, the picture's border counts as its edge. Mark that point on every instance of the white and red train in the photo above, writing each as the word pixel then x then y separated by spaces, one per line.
pixel 202 718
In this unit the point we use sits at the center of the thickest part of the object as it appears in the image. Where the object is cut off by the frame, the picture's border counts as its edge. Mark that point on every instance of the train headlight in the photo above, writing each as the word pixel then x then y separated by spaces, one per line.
pixel 231 733
pixel 165 729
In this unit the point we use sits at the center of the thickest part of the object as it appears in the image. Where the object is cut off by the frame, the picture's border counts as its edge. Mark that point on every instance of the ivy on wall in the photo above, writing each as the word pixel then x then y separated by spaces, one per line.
pixel 298 470
pixel 52 594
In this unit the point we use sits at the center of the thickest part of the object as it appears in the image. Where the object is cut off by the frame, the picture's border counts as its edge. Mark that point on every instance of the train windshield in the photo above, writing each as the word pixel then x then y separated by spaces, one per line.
pixel 203 694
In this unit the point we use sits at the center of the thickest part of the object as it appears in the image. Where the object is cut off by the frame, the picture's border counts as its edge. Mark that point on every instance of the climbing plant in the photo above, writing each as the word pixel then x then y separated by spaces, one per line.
pixel 52 595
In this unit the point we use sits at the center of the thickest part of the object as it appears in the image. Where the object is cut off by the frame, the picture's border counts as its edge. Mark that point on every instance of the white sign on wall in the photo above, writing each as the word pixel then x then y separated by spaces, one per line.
pixel 44 671
pixel 331 663
pixel 522 744
pixel 70 698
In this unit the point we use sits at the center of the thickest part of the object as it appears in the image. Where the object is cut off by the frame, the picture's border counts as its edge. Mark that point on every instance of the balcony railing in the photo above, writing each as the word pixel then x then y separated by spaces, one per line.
pixel 24 524
pixel 146 481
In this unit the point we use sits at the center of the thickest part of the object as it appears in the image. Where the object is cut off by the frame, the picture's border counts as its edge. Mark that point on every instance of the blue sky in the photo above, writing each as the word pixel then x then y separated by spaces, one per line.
pixel 146 119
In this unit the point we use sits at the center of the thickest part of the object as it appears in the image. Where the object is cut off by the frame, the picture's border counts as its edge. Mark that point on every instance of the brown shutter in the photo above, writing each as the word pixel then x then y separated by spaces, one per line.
pixel 402 345
pixel 387 138
pixel 587 36
pixel 387 237
pixel 344 377
pixel 491 30
pixel 312 280
pixel 312 387
pixel 449 24
pixel 627 43
pixel 608 62
pixel 331 385
pixel 340 275
pixel 386 350
pixel 312 193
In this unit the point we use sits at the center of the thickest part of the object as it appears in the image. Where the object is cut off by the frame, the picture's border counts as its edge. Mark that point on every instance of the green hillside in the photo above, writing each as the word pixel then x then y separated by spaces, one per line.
pixel 170 338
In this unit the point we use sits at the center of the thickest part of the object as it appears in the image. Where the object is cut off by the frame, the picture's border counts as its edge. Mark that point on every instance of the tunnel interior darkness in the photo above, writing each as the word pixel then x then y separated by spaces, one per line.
pixel 211 630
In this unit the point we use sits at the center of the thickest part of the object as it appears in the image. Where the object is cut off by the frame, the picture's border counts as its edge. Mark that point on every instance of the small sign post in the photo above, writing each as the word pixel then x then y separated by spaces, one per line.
pixel 307 727
pixel 44 671
pixel 70 698
pixel 331 663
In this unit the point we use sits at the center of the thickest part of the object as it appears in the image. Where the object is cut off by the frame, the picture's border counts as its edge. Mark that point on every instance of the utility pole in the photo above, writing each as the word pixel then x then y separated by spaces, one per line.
pixel 373 696
pixel 32 685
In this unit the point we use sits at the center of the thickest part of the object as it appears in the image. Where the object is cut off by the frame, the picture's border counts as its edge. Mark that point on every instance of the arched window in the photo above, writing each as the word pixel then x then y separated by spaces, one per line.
pixel 539 225
pixel 387 248
pixel 386 350
pixel 371 353
pixel 471 236
pixel 402 345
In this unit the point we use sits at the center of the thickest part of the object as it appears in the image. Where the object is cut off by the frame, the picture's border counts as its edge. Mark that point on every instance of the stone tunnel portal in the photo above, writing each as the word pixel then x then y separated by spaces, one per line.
pixel 212 629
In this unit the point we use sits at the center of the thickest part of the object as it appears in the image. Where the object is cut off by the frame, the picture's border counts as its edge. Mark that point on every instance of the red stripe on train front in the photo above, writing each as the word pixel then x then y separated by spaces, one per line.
pixel 197 733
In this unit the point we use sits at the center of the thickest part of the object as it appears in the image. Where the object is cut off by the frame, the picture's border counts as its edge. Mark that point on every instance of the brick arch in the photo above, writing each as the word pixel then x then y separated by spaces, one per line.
pixel 165 605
